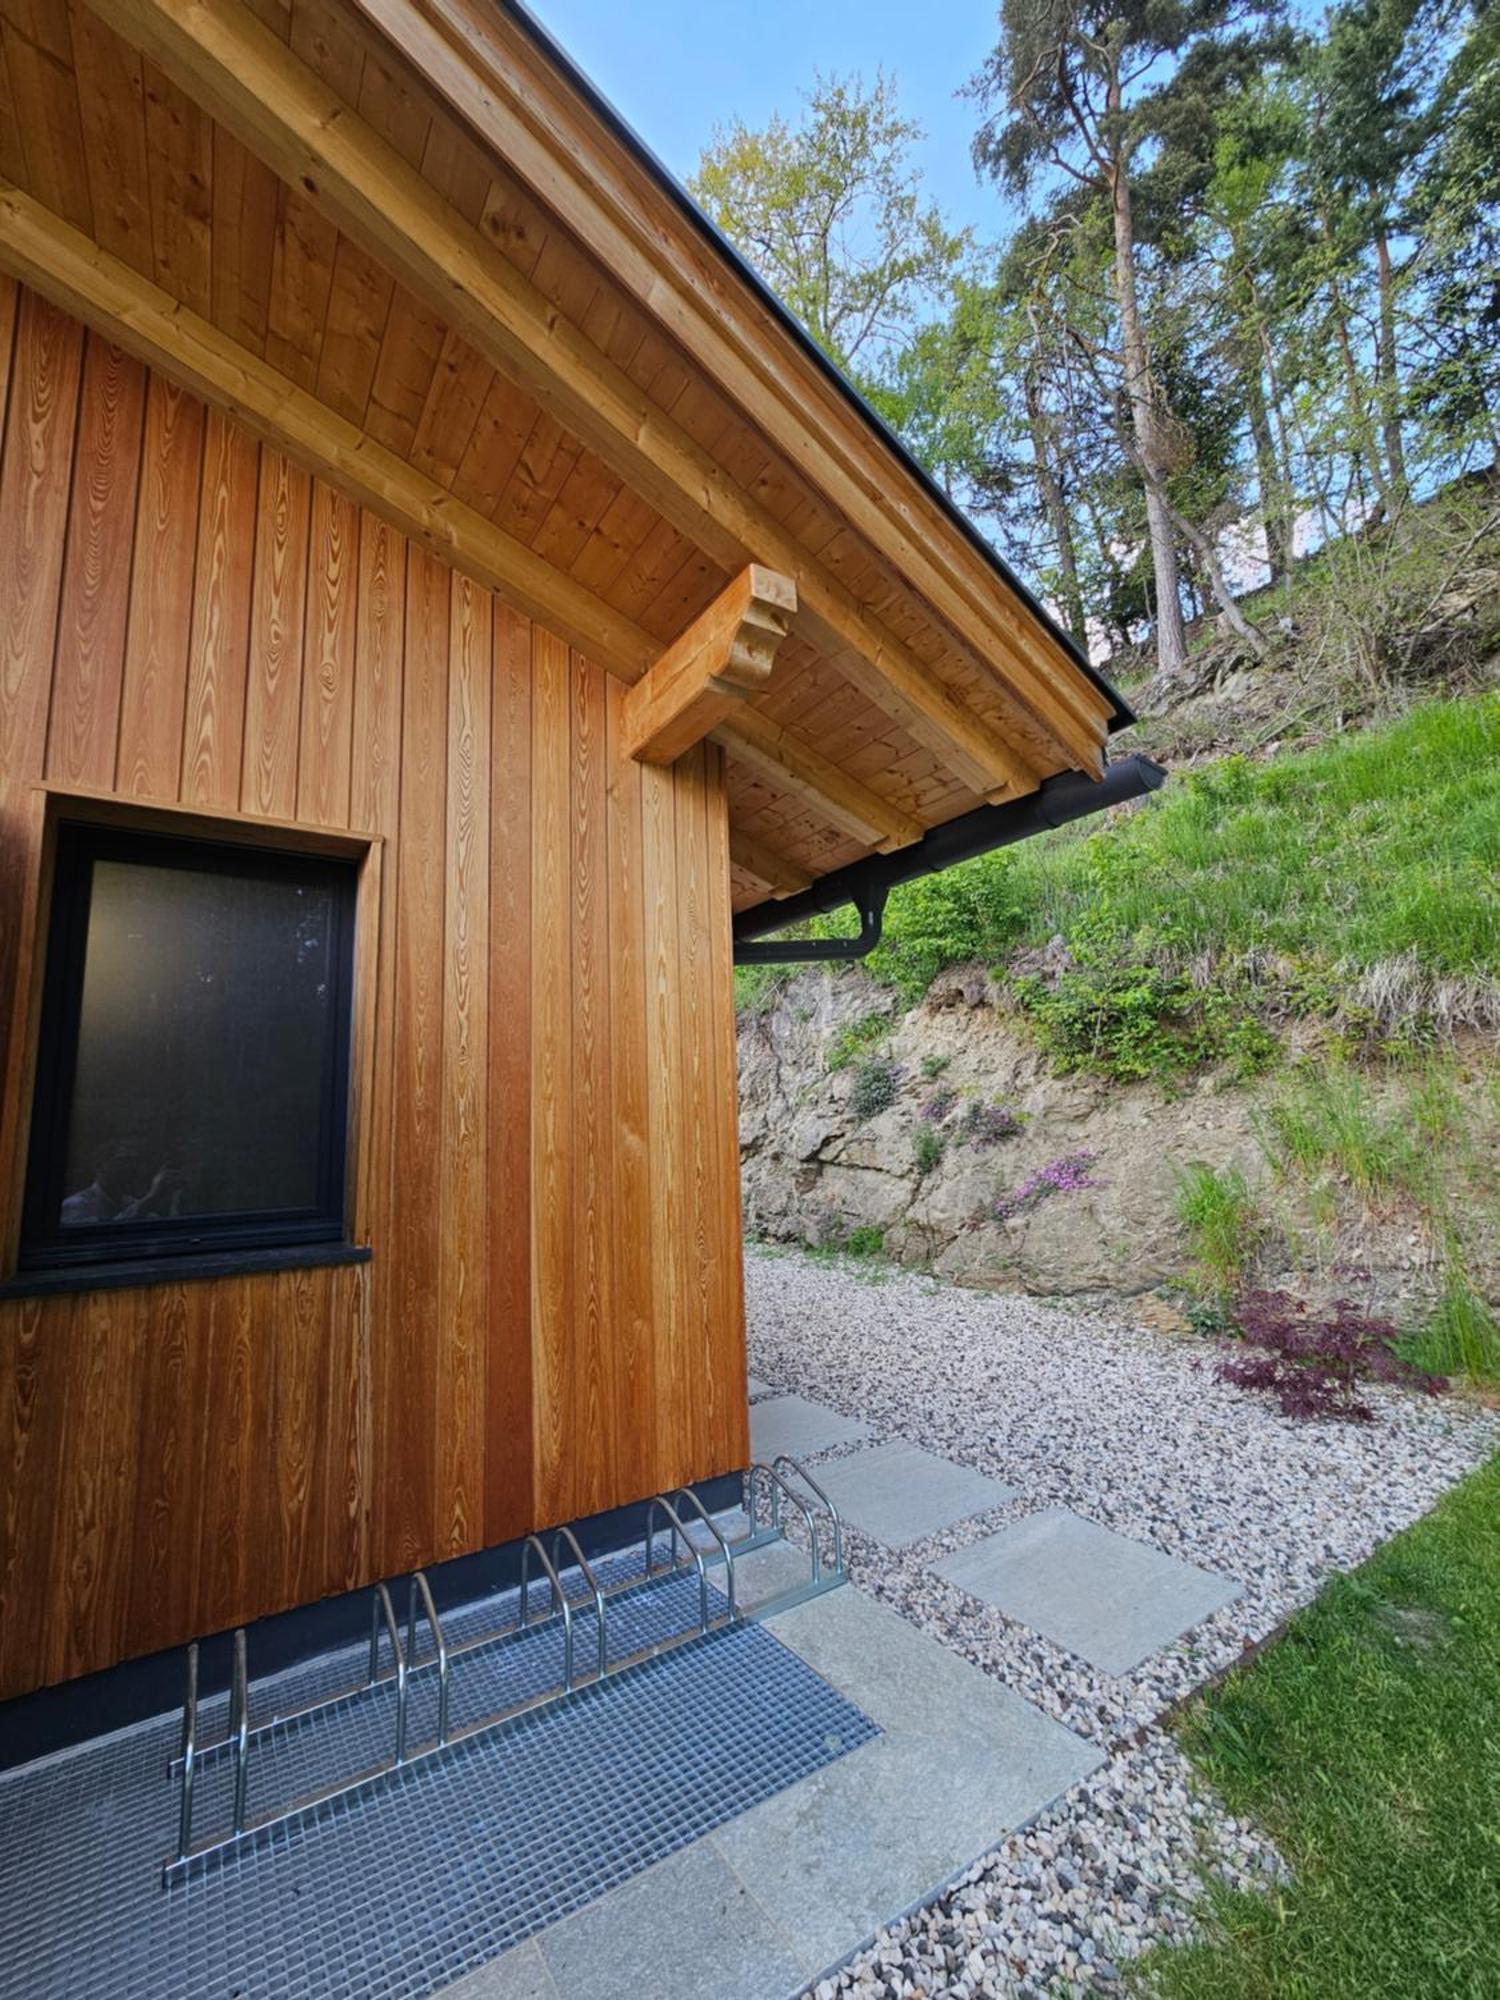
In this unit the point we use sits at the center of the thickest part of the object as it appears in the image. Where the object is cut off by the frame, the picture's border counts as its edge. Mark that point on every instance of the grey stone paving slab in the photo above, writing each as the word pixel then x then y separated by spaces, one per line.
pixel 792 1423
pixel 763 1906
pixel 900 1494
pixel 518 1975
pixel 1112 1601
pixel 962 1761
pixel 687 1929
pixel 758 1388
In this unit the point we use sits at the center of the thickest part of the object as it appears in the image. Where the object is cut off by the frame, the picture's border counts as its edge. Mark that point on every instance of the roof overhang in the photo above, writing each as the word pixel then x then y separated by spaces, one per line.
pixel 406 243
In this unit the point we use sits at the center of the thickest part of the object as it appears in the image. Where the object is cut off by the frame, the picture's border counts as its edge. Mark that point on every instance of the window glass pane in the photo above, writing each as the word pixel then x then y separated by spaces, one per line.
pixel 206 1007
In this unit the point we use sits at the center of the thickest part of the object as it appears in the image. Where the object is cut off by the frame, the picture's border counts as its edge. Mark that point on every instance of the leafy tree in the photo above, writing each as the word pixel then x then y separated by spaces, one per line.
pixel 1456 202
pixel 831 211
pixel 1076 90
pixel 1254 289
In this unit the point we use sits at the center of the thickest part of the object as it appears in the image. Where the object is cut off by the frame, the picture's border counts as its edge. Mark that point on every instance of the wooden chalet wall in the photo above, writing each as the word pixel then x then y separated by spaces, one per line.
pixel 551 1323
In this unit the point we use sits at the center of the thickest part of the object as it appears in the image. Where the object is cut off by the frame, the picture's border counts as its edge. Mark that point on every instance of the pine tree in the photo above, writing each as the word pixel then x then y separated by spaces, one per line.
pixel 1071 91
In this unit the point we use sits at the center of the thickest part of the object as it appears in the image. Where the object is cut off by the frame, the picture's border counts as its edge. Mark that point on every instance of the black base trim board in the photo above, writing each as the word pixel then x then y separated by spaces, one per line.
pixel 55 1718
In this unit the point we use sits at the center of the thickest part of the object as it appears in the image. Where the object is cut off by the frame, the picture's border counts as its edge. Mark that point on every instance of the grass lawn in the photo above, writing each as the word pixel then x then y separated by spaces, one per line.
pixel 1367 1741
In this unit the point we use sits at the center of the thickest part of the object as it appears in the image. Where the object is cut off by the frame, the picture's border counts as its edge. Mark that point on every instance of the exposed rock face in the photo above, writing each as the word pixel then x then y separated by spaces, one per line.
pixel 1105 1224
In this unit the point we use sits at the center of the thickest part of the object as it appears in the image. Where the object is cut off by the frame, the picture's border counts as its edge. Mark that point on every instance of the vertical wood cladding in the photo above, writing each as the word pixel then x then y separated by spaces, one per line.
pixel 551 1322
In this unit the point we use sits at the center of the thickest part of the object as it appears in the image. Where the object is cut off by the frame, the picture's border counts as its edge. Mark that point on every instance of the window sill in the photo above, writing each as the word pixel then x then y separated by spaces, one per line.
pixel 180 1270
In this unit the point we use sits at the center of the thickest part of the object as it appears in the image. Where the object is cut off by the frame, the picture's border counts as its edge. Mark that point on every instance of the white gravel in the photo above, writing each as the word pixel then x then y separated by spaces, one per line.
pixel 1128 1427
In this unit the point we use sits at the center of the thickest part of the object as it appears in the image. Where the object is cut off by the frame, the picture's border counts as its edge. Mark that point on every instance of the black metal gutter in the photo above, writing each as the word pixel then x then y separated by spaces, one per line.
pixel 866 884
pixel 1122 713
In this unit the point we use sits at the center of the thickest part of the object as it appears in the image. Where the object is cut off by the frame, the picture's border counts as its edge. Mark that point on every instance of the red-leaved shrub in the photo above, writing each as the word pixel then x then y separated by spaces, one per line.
pixel 1311 1360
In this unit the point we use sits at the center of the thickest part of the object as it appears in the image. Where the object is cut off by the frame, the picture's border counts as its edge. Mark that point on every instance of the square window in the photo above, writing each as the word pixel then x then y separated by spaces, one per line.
pixel 192 1081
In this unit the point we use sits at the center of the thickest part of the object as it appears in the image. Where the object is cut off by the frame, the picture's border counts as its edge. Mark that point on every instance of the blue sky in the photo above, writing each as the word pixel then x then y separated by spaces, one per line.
pixel 675 68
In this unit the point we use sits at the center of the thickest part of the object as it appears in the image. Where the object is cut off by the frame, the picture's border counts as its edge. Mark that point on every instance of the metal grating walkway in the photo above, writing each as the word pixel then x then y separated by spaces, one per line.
pixel 449 1866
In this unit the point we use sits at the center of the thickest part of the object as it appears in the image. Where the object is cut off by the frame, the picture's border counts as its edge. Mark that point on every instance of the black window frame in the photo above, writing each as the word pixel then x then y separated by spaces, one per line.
pixel 45 1245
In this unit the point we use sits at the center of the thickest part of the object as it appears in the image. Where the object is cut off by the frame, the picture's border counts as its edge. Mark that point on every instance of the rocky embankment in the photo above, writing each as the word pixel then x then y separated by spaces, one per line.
pixel 988 1169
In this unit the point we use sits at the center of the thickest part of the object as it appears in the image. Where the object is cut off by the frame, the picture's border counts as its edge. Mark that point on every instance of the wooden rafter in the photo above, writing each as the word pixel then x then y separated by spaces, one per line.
pixel 69 268
pixel 484 64
pixel 780 875
pixel 725 655
pixel 254 84
pixel 794 766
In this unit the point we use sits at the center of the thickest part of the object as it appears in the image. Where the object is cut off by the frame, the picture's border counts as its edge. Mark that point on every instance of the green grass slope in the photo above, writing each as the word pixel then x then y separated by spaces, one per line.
pixel 1359 880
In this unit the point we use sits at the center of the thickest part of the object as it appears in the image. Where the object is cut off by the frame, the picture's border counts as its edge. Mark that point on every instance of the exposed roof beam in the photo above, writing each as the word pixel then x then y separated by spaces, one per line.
pixel 72 271
pixel 483 63
pixel 255 85
pixel 781 876
pixel 725 655
pixel 794 766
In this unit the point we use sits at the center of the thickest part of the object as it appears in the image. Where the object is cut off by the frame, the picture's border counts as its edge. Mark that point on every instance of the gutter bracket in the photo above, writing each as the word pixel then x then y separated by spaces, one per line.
pixel 867 900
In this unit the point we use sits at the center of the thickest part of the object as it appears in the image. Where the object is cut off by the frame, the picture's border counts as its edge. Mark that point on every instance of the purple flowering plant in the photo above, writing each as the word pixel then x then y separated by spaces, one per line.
pixel 1069 1175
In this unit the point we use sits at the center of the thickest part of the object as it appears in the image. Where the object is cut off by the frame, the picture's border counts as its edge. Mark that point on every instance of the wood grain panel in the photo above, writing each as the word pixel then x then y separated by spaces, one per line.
pixel 111 101
pixel 273 699
pixel 553 1318
pixel 410 1338
pixel 633 1243
pixel 671 1415
pixel 179 154
pixel 463 1278
pixel 169 1371
pixel 219 651
pixel 326 748
pixel 594 1402
pixel 244 242
pixel 46 93
pixel 35 475
pixel 545 1166
pixel 85 720
pixel 376 802
pixel 508 1438
pixel 149 759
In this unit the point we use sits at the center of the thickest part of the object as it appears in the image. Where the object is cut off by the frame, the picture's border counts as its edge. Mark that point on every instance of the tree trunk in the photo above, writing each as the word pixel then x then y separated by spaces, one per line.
pixel 1267 470
pixel 1059 520
pixel 1359 410
pixel 1386 383
pixel 1171 635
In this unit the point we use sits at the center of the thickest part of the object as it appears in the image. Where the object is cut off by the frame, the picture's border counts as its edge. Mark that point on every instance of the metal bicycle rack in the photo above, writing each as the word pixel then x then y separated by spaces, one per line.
pixel 683 1556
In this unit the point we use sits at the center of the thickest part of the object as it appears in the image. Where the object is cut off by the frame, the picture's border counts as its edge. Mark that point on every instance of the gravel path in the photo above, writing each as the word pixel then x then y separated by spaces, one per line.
pixel 1129 1428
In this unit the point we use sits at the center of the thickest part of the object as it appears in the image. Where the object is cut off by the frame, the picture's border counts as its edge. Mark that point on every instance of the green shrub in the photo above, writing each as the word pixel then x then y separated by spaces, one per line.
pixel 1222 1222
pixel 875 1087
pixel 865 1241
pixel 1123 1009
pixel 854 1036
pixel 927 1150
pixel 933 1066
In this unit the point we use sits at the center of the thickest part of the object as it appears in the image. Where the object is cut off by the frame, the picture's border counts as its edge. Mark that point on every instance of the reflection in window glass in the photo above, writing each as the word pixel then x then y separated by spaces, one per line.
pixel 200 1045
pixel 192 1067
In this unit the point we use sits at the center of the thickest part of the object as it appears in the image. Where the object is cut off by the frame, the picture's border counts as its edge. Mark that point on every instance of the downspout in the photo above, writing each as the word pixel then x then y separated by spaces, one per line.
pixel 866 884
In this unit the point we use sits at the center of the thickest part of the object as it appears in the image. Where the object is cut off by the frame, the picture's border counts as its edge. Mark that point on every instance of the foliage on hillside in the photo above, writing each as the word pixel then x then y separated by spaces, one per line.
pixel 1238 295
pixel 1357 883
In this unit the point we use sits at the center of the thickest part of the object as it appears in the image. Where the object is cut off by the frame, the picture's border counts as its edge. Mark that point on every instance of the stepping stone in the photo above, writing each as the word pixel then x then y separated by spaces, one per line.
pixel 901 1494
pixel 795 1425
pixel 756 1387
pixel 1111 1601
